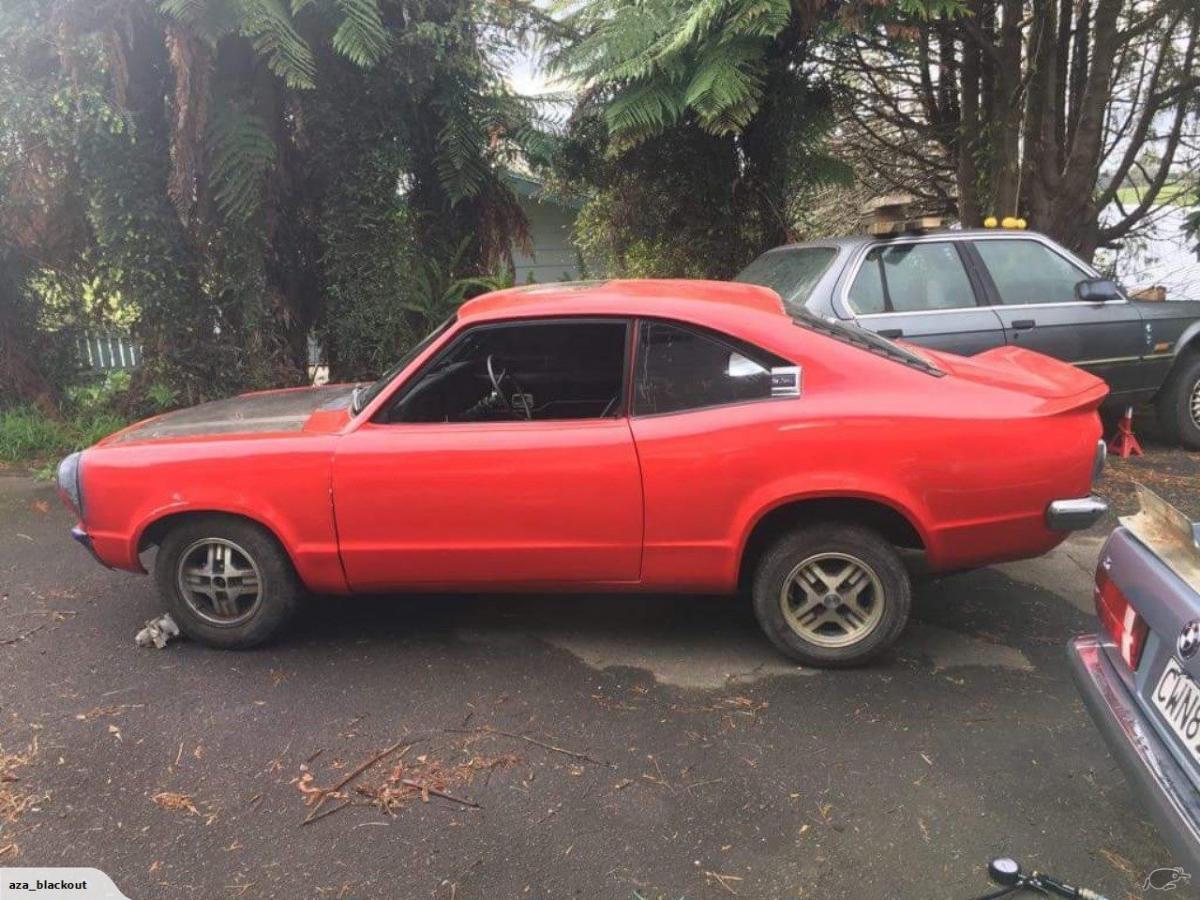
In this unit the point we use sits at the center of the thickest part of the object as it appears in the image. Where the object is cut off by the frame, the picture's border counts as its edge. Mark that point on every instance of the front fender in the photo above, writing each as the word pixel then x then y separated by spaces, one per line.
pixel 282 484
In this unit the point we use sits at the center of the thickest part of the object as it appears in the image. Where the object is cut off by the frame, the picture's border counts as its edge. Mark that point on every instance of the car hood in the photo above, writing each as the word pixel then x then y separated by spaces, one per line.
pixel 265 411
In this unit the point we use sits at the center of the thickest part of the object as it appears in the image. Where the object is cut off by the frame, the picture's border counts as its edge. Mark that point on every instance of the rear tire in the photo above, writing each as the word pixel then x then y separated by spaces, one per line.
pixel 832 596
pixel 1178 403
pixel 226 582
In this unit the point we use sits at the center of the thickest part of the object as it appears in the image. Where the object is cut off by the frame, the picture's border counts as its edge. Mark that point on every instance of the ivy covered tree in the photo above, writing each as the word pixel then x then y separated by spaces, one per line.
pixel 242 172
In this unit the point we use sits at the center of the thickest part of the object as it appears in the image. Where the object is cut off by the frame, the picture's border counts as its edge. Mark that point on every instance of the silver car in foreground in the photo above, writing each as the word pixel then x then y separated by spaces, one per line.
pixel 1140 676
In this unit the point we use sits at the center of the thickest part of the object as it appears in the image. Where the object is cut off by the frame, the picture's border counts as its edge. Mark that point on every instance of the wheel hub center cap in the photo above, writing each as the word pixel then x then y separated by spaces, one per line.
pixel 832 601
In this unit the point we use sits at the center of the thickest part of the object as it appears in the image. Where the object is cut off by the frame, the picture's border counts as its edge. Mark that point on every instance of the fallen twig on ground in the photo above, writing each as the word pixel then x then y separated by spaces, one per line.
pixel 430 778
pixel 723 879
pixel 24 635
pixel 426 791
pixel 534 741
pixel 322 794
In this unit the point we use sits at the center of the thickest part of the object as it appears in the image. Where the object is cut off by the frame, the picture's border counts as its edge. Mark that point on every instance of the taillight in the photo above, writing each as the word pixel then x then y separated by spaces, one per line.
pixel 1118 617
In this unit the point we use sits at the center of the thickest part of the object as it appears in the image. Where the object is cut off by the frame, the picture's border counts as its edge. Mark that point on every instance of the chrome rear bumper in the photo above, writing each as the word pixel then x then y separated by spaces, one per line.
pixel 1156 779
pixel 1075 515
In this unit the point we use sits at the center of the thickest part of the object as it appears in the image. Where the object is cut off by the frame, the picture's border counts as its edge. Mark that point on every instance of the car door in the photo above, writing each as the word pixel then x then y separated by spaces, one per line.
pixel 702 413
pixel 507 460
pixel 922 291
pixel 1033 288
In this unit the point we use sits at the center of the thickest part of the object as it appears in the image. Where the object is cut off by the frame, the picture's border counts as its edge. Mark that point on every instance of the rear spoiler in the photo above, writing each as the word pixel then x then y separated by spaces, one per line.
pixel 1169 533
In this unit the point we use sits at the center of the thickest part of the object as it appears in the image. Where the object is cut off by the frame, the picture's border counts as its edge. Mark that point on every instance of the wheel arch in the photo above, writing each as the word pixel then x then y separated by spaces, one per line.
pixel 1186 347
pixel 895 524
pixel 152 532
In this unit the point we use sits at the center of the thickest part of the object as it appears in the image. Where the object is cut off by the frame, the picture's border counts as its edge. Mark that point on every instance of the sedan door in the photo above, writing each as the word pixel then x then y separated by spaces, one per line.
pixel 920 291
pixel 1033 287
pixel 506 461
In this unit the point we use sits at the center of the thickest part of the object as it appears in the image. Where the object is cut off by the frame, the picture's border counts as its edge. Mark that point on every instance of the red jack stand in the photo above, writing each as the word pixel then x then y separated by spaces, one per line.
pixel 1123 443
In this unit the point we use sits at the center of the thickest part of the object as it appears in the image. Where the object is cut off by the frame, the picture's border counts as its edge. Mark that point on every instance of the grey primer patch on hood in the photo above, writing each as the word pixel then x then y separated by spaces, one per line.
pixel 275 411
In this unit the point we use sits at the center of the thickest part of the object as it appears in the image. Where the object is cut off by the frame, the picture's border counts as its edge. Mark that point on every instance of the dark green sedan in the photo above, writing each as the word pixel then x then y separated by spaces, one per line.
pixel 968 291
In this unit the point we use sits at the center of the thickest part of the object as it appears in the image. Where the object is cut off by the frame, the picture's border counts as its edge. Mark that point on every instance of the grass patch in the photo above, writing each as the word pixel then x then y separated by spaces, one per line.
pixel 28 437
pixel 1176 192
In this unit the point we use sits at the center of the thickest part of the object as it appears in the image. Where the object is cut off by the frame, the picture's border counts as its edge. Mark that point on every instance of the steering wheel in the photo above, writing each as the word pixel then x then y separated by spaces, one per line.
pixel 497 386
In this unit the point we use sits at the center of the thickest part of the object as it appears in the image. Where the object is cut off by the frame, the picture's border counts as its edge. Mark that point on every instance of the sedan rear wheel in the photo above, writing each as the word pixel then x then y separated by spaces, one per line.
pixel 832 595
pixel 1179 402
pixel 226 581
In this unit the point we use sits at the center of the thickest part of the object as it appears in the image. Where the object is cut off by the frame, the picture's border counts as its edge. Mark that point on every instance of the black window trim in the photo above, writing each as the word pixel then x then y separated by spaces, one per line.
pixel 621 412
pixel 728 341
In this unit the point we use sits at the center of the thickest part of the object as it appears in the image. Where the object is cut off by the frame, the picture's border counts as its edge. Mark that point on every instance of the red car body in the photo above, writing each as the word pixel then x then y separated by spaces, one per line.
pixel 969 461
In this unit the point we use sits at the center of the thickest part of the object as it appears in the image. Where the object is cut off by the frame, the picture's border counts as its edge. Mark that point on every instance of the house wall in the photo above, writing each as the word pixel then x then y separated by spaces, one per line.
pixel 554 257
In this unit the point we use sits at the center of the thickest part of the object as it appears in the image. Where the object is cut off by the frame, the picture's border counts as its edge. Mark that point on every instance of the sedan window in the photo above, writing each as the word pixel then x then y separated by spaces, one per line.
pixel 521 371
pixel 1029 272
pixel 679 368
pixel 911 278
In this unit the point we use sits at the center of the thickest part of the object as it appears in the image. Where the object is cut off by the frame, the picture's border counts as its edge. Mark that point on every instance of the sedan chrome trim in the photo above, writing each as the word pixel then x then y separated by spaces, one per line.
pixel 1157 779
pixel 992 306
pixel 1075 515
pixel 842 296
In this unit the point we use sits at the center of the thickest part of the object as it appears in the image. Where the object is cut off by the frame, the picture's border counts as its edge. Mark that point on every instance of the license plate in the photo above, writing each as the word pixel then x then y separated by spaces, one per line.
pixel 1177 699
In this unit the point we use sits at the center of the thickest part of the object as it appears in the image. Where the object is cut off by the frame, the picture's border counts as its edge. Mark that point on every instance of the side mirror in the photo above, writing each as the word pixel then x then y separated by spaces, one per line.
pixel 1097 290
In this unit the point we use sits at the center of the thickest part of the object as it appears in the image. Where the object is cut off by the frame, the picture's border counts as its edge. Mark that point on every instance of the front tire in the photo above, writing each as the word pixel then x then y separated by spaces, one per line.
pixel 832 596
pixel 226 582
pixel 1178 403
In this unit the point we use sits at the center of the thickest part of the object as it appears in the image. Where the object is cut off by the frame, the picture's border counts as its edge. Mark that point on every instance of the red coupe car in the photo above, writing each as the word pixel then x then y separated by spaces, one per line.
pixel 625 435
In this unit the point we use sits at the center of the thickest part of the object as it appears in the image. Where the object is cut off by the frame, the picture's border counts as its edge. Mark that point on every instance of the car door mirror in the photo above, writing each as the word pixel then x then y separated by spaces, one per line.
pixel 1097 290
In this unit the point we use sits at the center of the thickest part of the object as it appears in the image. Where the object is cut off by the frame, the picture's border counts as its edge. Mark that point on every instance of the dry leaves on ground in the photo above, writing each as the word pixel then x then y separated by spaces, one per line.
pixel 15 798
pixel 176 802
pixel 429 776
pixel 425 777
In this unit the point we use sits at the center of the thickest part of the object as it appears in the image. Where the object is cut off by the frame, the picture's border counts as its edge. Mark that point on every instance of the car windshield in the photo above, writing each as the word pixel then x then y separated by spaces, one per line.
pixel 791 272
pixel 860 337
pixel 363 396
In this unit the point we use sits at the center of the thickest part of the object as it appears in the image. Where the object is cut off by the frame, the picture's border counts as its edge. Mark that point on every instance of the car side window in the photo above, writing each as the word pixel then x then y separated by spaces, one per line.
pixel 521 371
pixel 1027 271
pixel 680 368
pixel 911 278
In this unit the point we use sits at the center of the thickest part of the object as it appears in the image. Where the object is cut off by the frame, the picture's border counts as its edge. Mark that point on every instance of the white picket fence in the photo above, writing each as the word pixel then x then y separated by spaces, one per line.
pixel 108 351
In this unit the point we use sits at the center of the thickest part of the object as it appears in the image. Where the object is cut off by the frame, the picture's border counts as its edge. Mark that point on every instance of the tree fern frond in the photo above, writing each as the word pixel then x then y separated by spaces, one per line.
pixel 462 141
pixel 697 23
pixel 644 108
pixel 242 153
pixel 760 18
pixel 727 85
pixel 271 30
pixel 362 37
pixel 184 10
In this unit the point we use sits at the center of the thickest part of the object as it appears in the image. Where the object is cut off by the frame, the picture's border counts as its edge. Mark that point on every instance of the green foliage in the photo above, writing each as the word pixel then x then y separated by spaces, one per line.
pixel 1191 228
pixel 243 152
pixel 29 437
pixel 361 37
pixel 658 61
pixel 438 290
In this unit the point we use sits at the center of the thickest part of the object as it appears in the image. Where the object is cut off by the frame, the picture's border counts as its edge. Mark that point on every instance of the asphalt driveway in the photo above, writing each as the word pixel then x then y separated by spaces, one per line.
pixel 615 746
